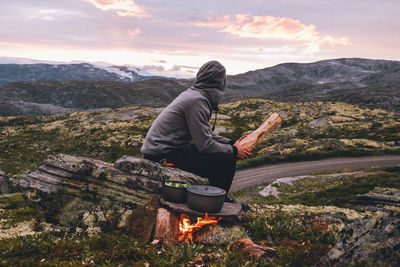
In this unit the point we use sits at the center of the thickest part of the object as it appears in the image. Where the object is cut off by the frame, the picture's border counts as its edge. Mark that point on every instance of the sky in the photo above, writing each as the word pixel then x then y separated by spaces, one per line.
pixel 177 37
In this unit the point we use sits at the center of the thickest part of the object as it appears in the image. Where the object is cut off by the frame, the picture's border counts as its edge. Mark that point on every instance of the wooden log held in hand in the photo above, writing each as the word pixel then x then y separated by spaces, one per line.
pixel 256 136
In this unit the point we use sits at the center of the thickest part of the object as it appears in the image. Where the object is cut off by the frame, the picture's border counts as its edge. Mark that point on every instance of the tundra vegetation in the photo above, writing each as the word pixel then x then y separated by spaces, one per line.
pixel 303 218
pixel 311 130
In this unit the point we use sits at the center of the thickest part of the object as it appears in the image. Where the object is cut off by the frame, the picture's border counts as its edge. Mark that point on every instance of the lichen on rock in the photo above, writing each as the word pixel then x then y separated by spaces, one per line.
pixel 66 187
pixel 156 171
pixel 370 241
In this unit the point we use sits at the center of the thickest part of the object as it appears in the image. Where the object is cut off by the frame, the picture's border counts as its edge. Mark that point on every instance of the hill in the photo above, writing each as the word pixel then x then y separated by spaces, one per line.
pixel 55 97
pixel 364 82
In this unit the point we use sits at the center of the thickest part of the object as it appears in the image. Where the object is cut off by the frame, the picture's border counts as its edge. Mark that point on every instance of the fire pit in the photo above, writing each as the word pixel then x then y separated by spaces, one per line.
pixel 173 223
pixel 230 212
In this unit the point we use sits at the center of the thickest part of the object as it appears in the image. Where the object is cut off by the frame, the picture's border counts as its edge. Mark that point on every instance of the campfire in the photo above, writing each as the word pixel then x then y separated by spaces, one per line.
pixel 171 228
pixel 186 229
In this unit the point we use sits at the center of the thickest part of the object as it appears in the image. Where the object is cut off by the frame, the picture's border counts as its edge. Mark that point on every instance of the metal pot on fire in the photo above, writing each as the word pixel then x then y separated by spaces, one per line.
pixel 205 198
pixel 174 191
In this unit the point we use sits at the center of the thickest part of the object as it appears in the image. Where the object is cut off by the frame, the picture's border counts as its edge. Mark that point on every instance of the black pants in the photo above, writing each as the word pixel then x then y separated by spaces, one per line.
pixel 219 168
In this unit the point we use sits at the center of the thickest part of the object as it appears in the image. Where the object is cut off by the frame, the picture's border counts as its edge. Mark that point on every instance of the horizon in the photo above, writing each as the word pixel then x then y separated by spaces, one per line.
pixel 177 37
pixel 177 75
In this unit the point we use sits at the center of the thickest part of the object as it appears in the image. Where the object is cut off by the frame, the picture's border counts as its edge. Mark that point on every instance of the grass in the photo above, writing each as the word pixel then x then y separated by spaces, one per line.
pixel 299 237
pixel 111 249
pixel 338 190
pixel 107 135
pixel 120 248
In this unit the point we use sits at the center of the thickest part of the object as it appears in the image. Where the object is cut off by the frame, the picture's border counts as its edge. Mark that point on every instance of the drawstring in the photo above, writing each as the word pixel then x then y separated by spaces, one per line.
pixel 215 121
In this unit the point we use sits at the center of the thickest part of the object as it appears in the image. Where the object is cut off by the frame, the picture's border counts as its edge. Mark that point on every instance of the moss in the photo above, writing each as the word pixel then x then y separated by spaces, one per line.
pixel 298 236
pixel 12 201
pixel 110 249
pixel 110 134
pixel 326 190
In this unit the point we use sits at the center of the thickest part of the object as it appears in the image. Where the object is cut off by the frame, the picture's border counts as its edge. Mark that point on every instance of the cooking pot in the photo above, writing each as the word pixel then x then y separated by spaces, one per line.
pixel 205 198
pixel 174 191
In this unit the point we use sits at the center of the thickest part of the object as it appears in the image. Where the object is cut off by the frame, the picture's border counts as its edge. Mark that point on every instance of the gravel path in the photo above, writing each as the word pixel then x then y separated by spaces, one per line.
pixel 269 173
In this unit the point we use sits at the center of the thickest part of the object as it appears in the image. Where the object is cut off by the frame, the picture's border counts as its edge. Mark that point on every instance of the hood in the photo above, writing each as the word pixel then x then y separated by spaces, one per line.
pixel 211 81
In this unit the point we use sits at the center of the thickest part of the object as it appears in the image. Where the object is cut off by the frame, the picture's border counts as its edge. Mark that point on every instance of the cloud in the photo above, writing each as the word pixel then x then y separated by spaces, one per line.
pixel 178 71
pixel 133 32
pixel 51 14
pixel 152 68
pixel 124 8
pixel 270 27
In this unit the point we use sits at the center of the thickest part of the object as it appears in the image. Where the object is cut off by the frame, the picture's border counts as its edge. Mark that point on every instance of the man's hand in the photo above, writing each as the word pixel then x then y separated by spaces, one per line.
pixel 243 151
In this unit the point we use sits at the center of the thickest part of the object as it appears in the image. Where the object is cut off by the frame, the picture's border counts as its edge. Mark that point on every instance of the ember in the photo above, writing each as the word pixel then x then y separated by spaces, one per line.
pixel 186 229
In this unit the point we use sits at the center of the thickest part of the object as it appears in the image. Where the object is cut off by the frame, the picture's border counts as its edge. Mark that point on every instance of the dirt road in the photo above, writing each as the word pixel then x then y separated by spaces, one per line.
pixel 269 173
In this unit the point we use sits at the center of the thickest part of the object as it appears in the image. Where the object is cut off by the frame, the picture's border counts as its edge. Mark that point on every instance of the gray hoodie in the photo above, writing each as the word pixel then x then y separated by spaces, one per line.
pixel 187 118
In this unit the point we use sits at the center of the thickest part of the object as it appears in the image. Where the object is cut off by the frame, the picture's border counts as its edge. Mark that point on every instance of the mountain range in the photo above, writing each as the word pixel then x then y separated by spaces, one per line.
pixel 45 89
pixel 80 71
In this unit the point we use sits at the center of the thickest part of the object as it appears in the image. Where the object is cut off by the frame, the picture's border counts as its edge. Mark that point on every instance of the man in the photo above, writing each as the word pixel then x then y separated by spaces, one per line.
pixel 186 120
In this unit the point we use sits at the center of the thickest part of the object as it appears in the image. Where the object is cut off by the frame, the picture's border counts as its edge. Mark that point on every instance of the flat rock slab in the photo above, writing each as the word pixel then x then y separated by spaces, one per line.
pixel 230 211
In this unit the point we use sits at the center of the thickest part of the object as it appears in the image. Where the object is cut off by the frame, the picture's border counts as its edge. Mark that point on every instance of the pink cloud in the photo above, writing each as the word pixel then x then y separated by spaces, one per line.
pixel 269 27
pixel 124 8
pixel 133 32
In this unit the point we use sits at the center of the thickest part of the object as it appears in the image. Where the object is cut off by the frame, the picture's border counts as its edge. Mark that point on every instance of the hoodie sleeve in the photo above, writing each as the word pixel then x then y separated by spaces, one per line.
pixel 197 116
pixel 221 139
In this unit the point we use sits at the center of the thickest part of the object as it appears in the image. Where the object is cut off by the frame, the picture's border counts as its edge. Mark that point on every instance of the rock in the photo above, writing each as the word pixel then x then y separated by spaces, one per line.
pixel 289 144
pixel 248 248
pixel 66 186
pixel 378 198
pixel 319 123
pixel 220 234
pixel 368 241
pixel 5 186
pixel 156 171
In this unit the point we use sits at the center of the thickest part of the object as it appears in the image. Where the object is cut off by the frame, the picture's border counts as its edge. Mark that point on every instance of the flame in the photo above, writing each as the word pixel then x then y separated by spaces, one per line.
pixel 186 229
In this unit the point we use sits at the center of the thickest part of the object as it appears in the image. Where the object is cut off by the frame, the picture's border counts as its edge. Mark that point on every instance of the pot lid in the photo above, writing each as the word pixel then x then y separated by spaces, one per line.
pixel 206 190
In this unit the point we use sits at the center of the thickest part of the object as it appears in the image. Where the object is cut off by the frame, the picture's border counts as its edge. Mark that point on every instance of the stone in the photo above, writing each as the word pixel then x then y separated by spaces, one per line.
pixel 230 211
pixel 5 186
pixel 220 234
pixel 377 198
pixel 248 248
pixel 368 241
pixel 319 123
pixel 167 227
pixel 65 186
pixel 156 171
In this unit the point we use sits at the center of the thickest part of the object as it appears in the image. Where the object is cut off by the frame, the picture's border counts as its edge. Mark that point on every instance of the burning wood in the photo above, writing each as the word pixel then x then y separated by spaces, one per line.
pixel 170 230
pixel 256 136
pixel 186 229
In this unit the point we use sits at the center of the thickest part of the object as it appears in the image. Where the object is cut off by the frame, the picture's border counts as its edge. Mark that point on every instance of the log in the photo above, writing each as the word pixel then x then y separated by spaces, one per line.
pixel 248 248
pixel 256 136
pixel 167 227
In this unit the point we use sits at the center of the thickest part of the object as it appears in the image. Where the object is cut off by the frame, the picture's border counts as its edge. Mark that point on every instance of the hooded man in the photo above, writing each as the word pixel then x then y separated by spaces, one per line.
pixel 182 135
